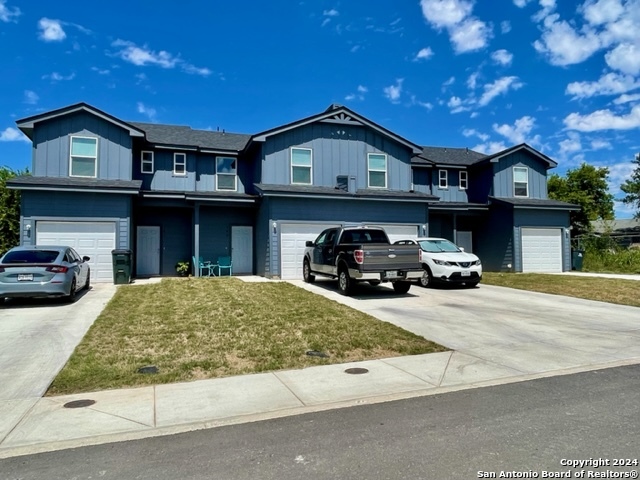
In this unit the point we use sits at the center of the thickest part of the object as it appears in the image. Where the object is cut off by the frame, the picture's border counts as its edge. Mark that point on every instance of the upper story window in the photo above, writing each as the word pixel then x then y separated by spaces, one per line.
pixel 520 182
pixel 301 165
pixel 84 157
pixel 463 180
pixel 146 162
pixel 377 165
pixel 442 179
pixel 226 173
pixel 179 163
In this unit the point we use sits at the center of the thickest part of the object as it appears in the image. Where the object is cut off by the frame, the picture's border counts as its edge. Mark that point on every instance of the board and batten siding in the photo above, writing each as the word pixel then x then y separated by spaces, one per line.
pixel 503 175
pixel 338 149
pixel 52 143
pixel 452 193
pixel 494 244
pixel 422 179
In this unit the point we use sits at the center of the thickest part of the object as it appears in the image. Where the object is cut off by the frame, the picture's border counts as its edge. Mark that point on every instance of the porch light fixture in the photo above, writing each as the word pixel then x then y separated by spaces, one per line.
pixel 28 228
pixel 275 226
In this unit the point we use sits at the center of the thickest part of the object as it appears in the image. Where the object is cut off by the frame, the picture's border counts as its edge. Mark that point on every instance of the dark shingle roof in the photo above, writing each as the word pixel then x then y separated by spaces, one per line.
pixel 448 156
pixel 180 135
pixel 67 183
pixel 535 203
pixel 361 193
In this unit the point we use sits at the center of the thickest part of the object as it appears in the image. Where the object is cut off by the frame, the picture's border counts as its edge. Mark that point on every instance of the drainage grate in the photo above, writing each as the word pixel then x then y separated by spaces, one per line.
pixel 356 371
pixel 79 403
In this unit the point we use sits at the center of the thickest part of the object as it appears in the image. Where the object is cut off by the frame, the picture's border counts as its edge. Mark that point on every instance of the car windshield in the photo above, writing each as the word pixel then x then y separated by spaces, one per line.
pixel 435 246
pixel 31 256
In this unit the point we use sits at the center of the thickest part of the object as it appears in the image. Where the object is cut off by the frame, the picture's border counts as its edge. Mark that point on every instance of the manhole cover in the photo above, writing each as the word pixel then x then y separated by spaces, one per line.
pixel 79 403
pixel 356 371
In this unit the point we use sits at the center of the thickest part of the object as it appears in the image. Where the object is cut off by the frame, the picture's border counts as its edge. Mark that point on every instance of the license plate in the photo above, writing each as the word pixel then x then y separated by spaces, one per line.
pixel 391 274
pixel 25 277
pixel 465 273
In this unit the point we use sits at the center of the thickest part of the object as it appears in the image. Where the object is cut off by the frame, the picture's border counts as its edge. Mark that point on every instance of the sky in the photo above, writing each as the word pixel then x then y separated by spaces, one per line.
pixel 561 75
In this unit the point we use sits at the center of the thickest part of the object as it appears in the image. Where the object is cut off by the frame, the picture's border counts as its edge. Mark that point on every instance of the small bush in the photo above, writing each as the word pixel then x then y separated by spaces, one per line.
pixel 611 260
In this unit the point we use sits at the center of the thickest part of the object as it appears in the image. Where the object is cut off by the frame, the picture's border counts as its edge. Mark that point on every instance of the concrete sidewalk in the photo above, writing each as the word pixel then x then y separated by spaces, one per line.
pixel 125 414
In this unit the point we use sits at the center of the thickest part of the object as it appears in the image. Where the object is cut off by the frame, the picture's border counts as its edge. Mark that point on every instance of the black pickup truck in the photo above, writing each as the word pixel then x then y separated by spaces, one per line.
pixel 354 254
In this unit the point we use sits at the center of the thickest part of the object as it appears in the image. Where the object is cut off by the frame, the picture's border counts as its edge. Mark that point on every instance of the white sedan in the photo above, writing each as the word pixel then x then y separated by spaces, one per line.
pixel 443 261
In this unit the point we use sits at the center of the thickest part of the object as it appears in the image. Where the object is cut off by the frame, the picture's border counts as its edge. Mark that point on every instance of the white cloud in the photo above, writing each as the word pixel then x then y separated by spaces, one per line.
pixel 100 71
pixel 449 81
pixel 547 6
pixel 500 86
pixel 56 77
pixel 505 26
pixel 627 98
pixel 599 144
pixel 467 33
pixel 571 144
pixel 12 135
pixel 470 132
pixel 609 84
pixel 618 173
pixel 424 54
pixel 519 131
pixel 472 81
pixel 31 97
pixel 454 102
pixel 625 57
pixel 563 45
pixel 603 120
pixel 502 57
pixel 331 13
pixel 51 30
pixel 602 11
pixel 8 14
pixel 489 147
pixel 359 95
pixel 143 56
pixel 149 112
pixel 393 92
pixel 521 3
pixel 193 70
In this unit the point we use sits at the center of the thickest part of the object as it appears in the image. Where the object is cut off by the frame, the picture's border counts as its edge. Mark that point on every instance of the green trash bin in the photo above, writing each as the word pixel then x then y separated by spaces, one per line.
pixel 577 257
pixel 121 266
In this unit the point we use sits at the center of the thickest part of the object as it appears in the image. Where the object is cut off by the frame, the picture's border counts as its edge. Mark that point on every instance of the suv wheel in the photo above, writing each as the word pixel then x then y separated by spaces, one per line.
pixel 426 279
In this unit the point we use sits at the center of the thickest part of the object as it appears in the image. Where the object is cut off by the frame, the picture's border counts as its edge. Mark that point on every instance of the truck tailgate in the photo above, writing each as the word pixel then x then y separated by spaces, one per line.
pixel 381 257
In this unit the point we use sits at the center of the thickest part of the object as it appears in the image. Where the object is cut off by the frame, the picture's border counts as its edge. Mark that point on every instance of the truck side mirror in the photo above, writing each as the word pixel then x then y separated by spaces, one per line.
pixel 309 243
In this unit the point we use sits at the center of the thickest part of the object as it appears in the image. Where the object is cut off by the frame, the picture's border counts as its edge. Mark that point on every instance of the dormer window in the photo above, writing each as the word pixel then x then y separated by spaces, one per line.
pixel 377 165
pixel 520 182
pixel 179 163
pixel 84 157
pixel 301 166
pixel 146 162
pixel 442 179
pixel 463 180
pixel 226 173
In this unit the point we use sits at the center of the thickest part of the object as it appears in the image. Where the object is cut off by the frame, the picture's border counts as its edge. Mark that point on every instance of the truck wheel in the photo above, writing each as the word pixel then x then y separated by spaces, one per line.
pixel 345 284
pixel 374 283
pixel 401 287
pixel 307 276
pixel 426 278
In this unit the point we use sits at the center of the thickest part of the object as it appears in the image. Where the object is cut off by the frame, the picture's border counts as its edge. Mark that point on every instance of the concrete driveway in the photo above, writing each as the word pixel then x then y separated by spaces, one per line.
pixel 521 331
pixel 36 339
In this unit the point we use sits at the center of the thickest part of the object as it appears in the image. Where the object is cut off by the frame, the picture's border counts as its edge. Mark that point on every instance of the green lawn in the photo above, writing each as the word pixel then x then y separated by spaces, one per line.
pixel 197 328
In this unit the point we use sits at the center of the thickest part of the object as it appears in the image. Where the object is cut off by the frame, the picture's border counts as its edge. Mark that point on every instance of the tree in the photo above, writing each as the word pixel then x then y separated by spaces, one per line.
pixel 585 186
pixel 9 211
pixel 632 188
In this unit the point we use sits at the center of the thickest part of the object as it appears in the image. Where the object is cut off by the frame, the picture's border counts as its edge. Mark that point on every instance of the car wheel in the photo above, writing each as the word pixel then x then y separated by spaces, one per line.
pixel 471 284
pixel 87 284
pixel 401 287
pixel 307 276
pixel 72 292
pixel 345 284
pixel 426 279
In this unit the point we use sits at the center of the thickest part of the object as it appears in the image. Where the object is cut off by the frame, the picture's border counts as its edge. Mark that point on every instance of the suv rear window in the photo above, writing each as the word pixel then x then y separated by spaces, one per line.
pixel 31 256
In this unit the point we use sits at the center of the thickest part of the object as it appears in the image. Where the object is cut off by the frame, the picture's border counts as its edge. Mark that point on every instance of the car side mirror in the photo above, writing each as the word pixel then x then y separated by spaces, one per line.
pixel 86 259
pixel 309 243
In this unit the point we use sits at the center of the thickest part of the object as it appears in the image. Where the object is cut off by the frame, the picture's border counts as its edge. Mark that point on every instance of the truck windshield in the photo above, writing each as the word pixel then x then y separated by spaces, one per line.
pixel 364 236
pixel 435 246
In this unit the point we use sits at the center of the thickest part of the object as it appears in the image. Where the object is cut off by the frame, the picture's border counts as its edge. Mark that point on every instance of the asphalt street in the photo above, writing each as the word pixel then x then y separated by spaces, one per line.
pixel 528 428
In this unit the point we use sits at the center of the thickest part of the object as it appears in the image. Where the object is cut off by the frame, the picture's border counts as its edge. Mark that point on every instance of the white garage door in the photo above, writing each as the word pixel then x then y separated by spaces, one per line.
pixel 542 250
pixel 95 239
pixel 400 232
pixel 293 237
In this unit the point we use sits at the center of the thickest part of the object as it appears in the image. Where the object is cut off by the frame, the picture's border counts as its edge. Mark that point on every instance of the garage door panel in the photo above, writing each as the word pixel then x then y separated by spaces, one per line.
pixel 542 250
pixel 400 232
pixel 293 238
pixel 92 239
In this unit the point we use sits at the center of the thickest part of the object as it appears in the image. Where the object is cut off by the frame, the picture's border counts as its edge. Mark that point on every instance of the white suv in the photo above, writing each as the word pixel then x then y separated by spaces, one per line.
pixel 444 261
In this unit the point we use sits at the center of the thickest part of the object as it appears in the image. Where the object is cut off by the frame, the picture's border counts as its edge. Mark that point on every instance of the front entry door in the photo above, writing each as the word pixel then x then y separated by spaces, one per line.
pixel 148 251
pixel 242 249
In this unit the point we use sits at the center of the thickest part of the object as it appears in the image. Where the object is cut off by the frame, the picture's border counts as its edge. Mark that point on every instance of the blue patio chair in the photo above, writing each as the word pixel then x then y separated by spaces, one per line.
pixel 224 263
pixel 203 267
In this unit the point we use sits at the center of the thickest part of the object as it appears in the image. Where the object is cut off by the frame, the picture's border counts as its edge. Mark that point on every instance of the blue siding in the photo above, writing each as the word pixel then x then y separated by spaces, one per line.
pixel 543 219
pixel 215 229
pixel 262 234
pixel 422 180
pixel 480 183
pixel 338 149
pixel 51 143
pixel 495 244
pixel 503 175
pixel 452 193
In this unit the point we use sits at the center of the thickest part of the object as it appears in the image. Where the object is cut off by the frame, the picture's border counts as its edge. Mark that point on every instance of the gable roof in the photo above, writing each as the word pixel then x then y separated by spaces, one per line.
pixel 341 115
pixel 523 146
pixel 183 136
pixel 445 156
pixel 27 124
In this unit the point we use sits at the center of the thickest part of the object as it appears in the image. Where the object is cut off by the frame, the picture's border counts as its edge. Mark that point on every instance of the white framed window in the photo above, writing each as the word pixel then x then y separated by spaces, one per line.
pixel 377 170
pixel 146 162
pixel 442 179
pixel 179 163
pixel 520 182
pixel 83 158
pixel 463 180
pixel 226 173
pixel 301 166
